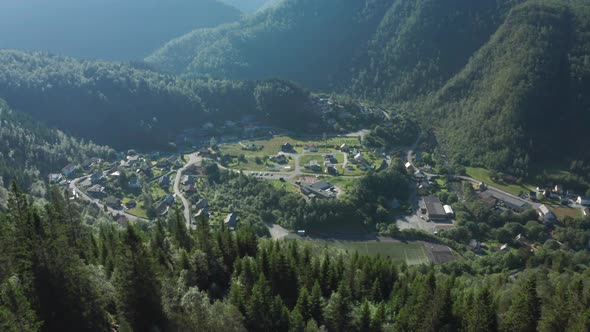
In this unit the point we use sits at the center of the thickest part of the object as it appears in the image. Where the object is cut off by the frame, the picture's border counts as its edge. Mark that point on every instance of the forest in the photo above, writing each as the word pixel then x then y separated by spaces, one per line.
pixel 129 106
pixel 491 72
pixel 169 278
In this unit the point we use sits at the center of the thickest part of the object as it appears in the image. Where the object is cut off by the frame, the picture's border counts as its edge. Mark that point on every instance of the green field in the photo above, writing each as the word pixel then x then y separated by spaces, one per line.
pixel 251 165
pixel 483 175
pixel 411 253
pixel 273 145
pixel 562 212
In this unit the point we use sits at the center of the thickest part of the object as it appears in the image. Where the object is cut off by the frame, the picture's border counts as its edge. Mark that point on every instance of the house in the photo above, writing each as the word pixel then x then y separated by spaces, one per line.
pixel 146 169
pixel 97 177
pixel 435 209
pixel 113 202
pixel 313 166
pixel 509 179
pixel 122 221
pixel 546 215
pixel 474 245
pixel 164 181
pixel 202 204
pixel 96 190
pixel 344 147
pixel 280 159
pixel 190 188
pixel 504 247
pixel 313 148
pixel 72 194
pixel 360 159
pixel 408 165
pixel 419 175
pixel 134 183
pixel 162 208
pixel 231 221
pixel 488 200
pixel 69 169
pixel 332 170
pixel 287 148
pixel 54 178
pixel 320 189
pixel 583 201
pixel 163 163
pixel 558 189
pixel 330 158
pixel 131 204
pixel 586 212
pixel 422 190
pixel 169 199
pixel 204 152
pixel 91 162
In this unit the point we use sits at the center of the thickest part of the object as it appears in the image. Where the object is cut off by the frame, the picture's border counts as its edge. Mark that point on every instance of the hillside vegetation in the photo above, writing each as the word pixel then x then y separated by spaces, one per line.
pixel 125 106
pixel 105 29
pixel 500 83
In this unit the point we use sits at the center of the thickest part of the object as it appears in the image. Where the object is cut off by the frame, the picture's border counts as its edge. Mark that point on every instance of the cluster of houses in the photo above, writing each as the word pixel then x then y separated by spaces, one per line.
pixel 329 165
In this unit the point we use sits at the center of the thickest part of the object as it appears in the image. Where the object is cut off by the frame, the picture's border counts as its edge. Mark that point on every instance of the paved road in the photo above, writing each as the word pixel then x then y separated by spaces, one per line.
pixel 74 186
pixel 192 160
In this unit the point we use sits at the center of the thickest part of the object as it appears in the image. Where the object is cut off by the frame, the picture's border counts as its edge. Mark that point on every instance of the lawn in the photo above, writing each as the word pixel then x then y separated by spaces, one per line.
pixel 138 211
pixel 562 212
pixel 288 186
pixel 411 253
pixel 483 175
pixel 251 165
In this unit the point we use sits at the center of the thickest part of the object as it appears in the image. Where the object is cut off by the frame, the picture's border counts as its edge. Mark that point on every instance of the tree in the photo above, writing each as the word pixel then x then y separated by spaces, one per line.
pixel 525 310
pixel 16 313
pixel 137 284
pixel 337 312
pixel 213 142
pixel 363 319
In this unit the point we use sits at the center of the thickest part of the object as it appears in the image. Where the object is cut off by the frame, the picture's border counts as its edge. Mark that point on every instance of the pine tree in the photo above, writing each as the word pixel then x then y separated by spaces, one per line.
pixel 337 312
pixel 525 310
pixel 137 285
pixel 296 321
pixel 16 313
pixel 363 319
pixel 316 303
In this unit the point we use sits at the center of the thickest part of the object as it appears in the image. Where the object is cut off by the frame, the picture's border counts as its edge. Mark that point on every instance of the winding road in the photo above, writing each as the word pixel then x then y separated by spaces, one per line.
pixel 193 159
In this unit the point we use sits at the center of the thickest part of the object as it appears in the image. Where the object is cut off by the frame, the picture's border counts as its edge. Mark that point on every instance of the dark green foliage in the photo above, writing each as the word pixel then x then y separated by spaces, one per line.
pixel 130 107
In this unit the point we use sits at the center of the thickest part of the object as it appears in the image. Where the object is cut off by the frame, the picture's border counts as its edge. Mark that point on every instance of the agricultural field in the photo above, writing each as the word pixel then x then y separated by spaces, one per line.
pixel 483 175
pixel 562 212
pixel 411 253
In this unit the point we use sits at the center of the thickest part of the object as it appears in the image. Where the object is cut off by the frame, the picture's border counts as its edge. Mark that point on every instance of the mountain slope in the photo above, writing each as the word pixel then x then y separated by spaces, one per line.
pixel 105 29
pixel 309 41
pixel 30 151
pixel 129 107
pixel 250 6
pixel 523 96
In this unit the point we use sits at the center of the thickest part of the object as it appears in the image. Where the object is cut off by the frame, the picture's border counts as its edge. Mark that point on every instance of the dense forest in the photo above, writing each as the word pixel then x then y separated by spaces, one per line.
pixel 128 106
pixel 30 151
pixel 491 72
pixel 58 274
pixel 105 29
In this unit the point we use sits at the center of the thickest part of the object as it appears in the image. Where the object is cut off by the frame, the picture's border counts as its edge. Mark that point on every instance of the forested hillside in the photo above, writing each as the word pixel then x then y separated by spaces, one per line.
pixel 309 41
pixel 58 274
pixel 105 29
pixel 507 74
pixel 29 151
pixel 523 96
pixel 130 107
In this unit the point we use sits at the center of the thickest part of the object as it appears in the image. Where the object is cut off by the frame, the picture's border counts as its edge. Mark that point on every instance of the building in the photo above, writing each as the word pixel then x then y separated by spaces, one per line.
pixel 169 199
pixel 330 158
pixel 507 201
pixel 69 170
pixel 280 159
pixel 435 209
pixel 54 178
pixel 449 211
pixel 332 170
pixel 96 190
pixel 202 204
pixel 287 148
pixel 231 221
pixel 131 204
pixel 320 189
pixel 583 201
pixel 408 165
pixel 122 221
pixel 190 188
pixel 113 202
pixel 91 162
pixel 586 212
pixel 344 147
pixel 134 183
pixel 97 177
pixel 164 181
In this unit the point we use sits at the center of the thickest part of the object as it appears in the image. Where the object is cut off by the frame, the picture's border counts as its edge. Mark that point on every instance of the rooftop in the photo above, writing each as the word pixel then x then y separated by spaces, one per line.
pixel 434 206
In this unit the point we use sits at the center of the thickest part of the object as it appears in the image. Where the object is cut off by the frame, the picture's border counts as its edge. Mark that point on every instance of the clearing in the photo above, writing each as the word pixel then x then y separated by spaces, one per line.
pixel 483 175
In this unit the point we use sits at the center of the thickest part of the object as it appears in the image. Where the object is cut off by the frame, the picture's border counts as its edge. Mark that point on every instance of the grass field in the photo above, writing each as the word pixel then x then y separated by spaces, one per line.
pixel 562 212
pixel 288 186
pixel 273 145
pixel 483 175
pixel 251 165
pixel 411 253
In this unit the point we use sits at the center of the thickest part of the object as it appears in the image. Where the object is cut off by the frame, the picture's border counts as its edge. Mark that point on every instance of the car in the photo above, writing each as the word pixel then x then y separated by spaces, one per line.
pixel 422 217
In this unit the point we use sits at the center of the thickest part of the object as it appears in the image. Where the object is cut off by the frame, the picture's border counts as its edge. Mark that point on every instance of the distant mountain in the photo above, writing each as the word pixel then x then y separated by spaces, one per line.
pixel 130 107
pixel 500 83
pixel 250 6
pixel 105 29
